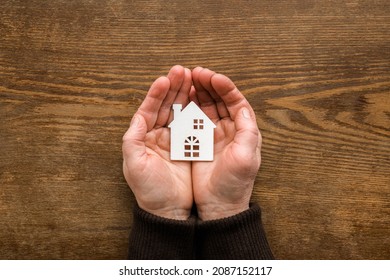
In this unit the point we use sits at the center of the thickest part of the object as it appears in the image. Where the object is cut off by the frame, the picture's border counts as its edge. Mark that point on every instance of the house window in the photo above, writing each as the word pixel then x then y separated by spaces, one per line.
pixel 198 123
pixel 191 147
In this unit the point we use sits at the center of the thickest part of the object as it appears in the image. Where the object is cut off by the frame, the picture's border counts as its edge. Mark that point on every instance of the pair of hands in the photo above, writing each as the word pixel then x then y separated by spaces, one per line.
pixel 219 188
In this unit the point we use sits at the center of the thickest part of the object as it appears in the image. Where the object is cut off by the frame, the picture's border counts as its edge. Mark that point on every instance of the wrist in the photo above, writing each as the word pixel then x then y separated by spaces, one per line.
pixel 220 211
pixel 173 214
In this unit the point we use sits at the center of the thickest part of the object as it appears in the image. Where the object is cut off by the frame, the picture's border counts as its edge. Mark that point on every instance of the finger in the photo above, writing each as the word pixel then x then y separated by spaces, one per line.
pixel 247 136
pixel 176 78
pixel 201 77
pixel 231 96
pixel 193 97
pixel 183 94
pixel 133 146
pixel 205 79
pixel 151 105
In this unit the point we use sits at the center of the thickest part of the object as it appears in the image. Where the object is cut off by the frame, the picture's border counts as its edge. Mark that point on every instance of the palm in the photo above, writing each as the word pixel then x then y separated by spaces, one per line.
pixel 217 180
pixel 165 182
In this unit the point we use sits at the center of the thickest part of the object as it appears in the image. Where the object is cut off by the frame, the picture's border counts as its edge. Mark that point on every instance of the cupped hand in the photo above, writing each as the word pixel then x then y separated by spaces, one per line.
pixel 161 186
pixel 224 186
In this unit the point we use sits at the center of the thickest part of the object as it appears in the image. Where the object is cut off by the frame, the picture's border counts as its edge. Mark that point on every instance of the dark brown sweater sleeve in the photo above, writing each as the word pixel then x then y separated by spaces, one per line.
pixel 237 237
pixel 156 238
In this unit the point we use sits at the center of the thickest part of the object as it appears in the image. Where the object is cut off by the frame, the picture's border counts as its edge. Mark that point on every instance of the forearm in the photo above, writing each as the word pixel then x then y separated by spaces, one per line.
pixel 154 237
pixel 237 237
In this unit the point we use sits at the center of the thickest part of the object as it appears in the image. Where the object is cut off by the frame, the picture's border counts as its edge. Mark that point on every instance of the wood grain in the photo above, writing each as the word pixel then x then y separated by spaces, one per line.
pixel 316 72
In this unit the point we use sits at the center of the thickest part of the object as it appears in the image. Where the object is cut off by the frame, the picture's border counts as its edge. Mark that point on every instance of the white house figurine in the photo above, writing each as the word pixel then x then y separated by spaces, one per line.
pixel 192 134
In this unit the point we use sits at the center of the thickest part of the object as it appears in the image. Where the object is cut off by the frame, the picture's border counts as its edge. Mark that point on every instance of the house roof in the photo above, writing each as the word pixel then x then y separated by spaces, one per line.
pixel 191 111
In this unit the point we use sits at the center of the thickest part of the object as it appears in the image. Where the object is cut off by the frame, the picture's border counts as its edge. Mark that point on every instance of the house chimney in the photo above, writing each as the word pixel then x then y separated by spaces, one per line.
pixel 176 110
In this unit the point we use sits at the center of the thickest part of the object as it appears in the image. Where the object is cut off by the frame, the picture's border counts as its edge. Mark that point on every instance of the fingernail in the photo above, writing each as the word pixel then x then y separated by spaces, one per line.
pixel 246 114
pixel 134 122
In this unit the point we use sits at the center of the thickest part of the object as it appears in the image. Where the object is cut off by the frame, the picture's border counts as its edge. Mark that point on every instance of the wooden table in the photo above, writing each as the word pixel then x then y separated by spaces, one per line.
pixel 317 73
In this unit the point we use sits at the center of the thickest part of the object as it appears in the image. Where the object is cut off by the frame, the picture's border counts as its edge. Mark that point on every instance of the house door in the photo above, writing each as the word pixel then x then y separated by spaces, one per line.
pixel 191 147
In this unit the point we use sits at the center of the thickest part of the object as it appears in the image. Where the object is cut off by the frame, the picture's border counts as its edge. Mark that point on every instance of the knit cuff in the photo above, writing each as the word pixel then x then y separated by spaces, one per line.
pixel 237 237
pixel 153 237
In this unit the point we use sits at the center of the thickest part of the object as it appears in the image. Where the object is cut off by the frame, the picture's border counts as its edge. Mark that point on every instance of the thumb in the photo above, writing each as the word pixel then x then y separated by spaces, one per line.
pixel 247 133
pixel 133 146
